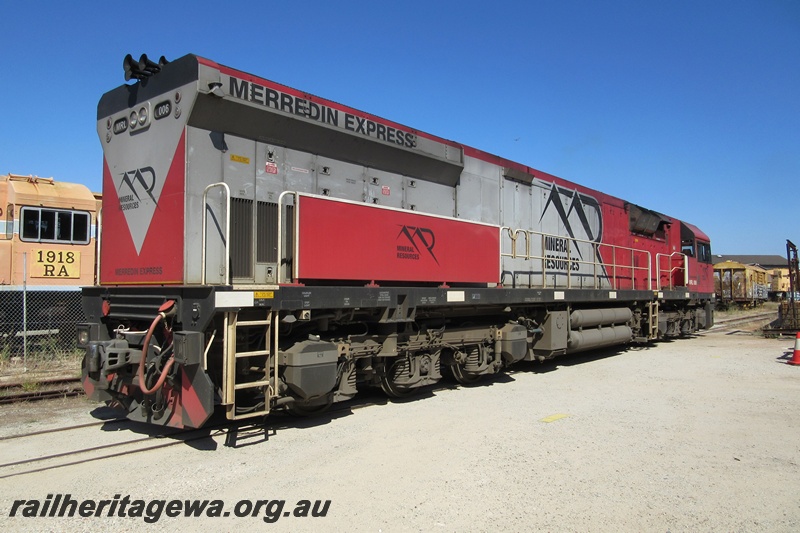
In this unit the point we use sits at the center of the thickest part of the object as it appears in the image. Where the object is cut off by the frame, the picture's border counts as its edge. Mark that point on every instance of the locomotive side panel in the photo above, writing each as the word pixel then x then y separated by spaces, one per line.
pixel 339 179
pixel 478 192
pixel 204 163
pixel 553 236
pixel 347 241
pixel 429 197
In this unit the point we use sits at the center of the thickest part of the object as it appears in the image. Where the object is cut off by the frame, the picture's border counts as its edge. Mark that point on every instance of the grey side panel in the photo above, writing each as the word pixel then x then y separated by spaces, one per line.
pixel 516 210
pixel 478 192
pixel 384 188
pixel 298 169
pixel 567 256
pixel 430 197
pixel 204 167
pixel 340 180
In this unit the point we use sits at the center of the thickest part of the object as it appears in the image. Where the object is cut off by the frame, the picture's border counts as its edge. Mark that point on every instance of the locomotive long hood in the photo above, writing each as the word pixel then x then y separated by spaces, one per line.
pixel 238 103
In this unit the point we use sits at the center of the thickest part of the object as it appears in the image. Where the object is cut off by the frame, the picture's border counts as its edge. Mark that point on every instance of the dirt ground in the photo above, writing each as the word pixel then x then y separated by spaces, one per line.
pixel 699 434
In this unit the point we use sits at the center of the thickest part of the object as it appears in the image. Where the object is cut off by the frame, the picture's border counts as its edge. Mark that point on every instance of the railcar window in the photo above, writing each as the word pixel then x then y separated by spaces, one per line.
pixel 80 227
pixel 47 226
pixel 54 225
pixel 64 226
pixel 9 221
pixel 704 252
pixel 30 224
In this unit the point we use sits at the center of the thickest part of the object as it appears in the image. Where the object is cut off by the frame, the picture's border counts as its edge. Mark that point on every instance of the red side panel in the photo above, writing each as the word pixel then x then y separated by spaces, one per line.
pixel 345 241
pixel 161 258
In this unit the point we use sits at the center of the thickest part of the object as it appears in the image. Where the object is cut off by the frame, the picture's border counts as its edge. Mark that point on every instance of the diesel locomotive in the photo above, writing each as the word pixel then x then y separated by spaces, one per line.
pixel 263 248
pixel 47 252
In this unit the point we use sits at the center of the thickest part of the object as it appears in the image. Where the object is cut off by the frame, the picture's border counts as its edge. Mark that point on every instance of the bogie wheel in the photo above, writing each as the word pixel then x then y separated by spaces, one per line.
pixel 463 377
pixel 392 371
pixel 473 358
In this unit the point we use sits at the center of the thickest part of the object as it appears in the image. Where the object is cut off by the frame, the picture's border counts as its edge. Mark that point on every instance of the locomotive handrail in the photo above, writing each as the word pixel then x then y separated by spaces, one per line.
pixel 684 266
pixel 97 236
pixel 528 255
pixel 227 232
pixel 280 254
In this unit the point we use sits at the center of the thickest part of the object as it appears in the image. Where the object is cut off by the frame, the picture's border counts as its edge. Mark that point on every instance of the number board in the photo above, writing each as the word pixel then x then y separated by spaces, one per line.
pixel 56 264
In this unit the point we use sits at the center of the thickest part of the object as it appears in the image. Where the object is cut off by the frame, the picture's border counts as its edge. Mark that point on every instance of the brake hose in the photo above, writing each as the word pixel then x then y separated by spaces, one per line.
pixel 167 308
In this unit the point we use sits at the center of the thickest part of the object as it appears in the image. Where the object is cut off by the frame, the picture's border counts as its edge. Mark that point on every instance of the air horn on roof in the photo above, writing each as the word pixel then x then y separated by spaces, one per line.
pixel 144 68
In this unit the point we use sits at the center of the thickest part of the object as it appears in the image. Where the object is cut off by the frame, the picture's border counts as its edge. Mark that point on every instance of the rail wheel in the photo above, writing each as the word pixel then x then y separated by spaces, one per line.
pixel 468 368
pixel 395 372
pixel 463 376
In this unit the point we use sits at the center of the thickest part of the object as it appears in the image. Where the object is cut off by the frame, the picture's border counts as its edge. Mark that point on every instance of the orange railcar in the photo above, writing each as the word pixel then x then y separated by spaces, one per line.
pixel 49 237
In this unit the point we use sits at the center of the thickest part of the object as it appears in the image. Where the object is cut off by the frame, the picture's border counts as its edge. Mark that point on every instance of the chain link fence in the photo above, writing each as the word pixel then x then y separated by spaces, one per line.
pixel 38 323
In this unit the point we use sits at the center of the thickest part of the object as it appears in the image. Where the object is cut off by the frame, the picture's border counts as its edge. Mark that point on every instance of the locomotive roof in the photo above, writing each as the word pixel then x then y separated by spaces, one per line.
pixel 36 191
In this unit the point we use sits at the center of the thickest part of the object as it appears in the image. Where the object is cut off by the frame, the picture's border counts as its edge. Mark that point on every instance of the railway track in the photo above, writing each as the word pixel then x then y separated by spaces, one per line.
pixel 728 323
pixel 157 438
pixel 43 389
pixel 99 452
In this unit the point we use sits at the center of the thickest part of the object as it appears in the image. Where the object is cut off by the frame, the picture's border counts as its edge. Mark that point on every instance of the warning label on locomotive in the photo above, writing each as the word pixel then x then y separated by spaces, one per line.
pixel 58 264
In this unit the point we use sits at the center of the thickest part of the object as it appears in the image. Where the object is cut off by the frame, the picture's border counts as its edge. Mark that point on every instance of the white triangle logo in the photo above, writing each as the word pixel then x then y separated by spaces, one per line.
pixel 138 191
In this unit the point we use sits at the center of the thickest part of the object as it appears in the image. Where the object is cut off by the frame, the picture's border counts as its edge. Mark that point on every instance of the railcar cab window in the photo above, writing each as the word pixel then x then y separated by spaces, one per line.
pixel 704 252
pixel 9 234
pixel 54 225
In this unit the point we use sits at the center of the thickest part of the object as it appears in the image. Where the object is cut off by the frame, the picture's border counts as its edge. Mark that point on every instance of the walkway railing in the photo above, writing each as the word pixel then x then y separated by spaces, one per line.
pixel 559 256
pixel 671 268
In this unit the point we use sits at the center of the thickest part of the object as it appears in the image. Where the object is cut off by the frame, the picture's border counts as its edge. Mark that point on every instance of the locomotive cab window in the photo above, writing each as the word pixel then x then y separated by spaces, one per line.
pixel 9 221
pixel 54 225
pixel 704 252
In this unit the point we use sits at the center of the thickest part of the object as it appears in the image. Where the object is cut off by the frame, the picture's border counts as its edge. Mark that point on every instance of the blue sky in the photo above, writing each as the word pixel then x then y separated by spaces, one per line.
pixel 690 108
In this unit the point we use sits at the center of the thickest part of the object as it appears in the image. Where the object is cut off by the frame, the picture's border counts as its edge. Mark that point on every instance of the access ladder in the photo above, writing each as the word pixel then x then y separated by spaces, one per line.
pixel 261 359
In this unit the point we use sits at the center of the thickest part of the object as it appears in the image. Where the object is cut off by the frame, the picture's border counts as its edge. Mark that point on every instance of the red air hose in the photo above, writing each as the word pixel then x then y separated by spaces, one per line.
pixel 167 308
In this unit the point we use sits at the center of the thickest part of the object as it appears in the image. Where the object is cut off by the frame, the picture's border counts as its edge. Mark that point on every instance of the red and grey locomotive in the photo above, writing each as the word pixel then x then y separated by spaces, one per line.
pixel 263 248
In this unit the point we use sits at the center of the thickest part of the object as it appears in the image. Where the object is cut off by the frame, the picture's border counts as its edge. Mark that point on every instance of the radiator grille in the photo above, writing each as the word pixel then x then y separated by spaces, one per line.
pixel 241 238
pixel 267 236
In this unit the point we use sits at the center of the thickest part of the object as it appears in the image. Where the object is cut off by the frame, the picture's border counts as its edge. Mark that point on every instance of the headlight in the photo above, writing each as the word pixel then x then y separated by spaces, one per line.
pixel 85 334
pixel 83 338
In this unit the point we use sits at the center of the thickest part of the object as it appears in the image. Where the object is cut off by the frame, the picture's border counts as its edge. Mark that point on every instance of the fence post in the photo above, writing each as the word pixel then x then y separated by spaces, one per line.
pixel 24 311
